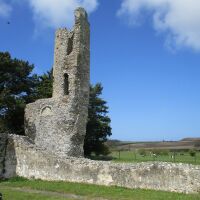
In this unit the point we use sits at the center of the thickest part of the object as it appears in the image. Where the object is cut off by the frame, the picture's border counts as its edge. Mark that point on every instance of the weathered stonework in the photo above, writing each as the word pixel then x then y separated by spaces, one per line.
pixel 59 123
pixel 37 163
pixel 3 144
pixel 55 130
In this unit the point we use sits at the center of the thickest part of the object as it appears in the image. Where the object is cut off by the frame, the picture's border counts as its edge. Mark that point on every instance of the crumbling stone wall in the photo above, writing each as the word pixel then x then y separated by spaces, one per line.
pixel 59 123
pixel 3 143
pixel 39 164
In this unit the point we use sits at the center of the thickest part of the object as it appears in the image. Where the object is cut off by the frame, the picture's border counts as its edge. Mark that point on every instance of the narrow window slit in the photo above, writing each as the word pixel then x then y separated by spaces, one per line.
pixel 66 84
pixel 70 45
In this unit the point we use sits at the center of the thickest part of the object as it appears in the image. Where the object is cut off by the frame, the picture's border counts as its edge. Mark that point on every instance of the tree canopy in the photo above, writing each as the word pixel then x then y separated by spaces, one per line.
pixel 16 85
pixel 98 126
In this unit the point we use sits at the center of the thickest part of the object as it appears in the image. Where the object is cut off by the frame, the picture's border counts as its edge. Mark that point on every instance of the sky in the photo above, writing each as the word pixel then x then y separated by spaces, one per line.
pixel 146 54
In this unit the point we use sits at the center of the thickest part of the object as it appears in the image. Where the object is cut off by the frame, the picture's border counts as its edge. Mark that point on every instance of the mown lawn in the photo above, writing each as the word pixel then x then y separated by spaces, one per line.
pixel 86 190
pixel 131 156
pixel 16 195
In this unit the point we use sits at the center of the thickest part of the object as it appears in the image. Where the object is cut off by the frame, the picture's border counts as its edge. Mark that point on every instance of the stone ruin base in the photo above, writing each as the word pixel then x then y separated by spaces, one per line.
pixel 26 160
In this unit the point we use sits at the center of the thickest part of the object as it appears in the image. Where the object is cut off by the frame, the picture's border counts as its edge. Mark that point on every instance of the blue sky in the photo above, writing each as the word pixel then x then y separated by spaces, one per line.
pixel 146 54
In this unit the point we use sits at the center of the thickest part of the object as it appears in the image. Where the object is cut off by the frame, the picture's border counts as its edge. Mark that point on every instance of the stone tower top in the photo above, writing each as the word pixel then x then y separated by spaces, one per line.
pixel 71 49
pixel 80 13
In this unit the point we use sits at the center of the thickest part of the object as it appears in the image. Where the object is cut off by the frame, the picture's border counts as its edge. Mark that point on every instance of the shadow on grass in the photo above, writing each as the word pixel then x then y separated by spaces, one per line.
pixel 14 179
pixel 101 158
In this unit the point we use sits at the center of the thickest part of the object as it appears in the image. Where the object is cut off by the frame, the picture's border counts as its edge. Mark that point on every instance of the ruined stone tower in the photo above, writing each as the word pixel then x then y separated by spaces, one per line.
pixel 58 124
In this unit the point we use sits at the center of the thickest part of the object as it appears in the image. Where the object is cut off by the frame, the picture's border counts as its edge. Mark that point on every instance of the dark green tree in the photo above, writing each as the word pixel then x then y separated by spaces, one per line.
pixel 98 126
pixel 192 152
pixel 44 87
pixel 16 85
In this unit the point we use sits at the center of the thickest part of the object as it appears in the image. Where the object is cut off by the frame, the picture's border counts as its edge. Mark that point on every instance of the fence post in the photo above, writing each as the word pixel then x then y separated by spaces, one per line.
pixel 135 155
pixel 119 154
pixel 174 156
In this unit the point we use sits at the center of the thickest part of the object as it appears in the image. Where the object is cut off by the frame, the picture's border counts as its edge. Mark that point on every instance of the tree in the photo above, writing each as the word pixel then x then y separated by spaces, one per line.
pixel 16 84
pixel 98 126
pixel 44 87
pixel 192 152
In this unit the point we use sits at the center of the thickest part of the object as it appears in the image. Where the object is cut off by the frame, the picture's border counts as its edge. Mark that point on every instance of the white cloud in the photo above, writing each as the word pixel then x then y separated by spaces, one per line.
pixel 5 9
pixel 179 19
pixel 58 13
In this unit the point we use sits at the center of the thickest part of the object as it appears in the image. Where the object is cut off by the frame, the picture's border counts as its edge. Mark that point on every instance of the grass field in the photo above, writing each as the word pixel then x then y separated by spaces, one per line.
pixel 21 189
pixel 131 156
pixel 8 194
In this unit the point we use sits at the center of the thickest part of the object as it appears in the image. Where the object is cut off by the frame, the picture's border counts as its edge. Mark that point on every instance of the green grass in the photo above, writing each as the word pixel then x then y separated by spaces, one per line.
pixel 131 156
pixel 89 191
pixel 16 195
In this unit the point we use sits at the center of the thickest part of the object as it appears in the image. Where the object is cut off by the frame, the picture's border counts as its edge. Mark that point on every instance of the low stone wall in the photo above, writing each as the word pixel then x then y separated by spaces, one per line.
pixel 3 141
pixel 32 162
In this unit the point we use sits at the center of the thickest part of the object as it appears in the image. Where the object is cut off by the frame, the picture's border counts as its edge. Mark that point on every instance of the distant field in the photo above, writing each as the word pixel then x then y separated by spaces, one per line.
pixel 21 189
pixel 179 157
pixel 171 151
pixel 187 143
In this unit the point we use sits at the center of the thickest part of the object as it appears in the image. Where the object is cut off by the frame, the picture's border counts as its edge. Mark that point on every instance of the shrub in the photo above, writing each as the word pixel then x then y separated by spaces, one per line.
pixel 192 153
pixel 142 152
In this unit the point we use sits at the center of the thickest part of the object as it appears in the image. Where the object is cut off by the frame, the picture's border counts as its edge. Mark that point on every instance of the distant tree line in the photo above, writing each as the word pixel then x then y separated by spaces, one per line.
pixel 19 86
